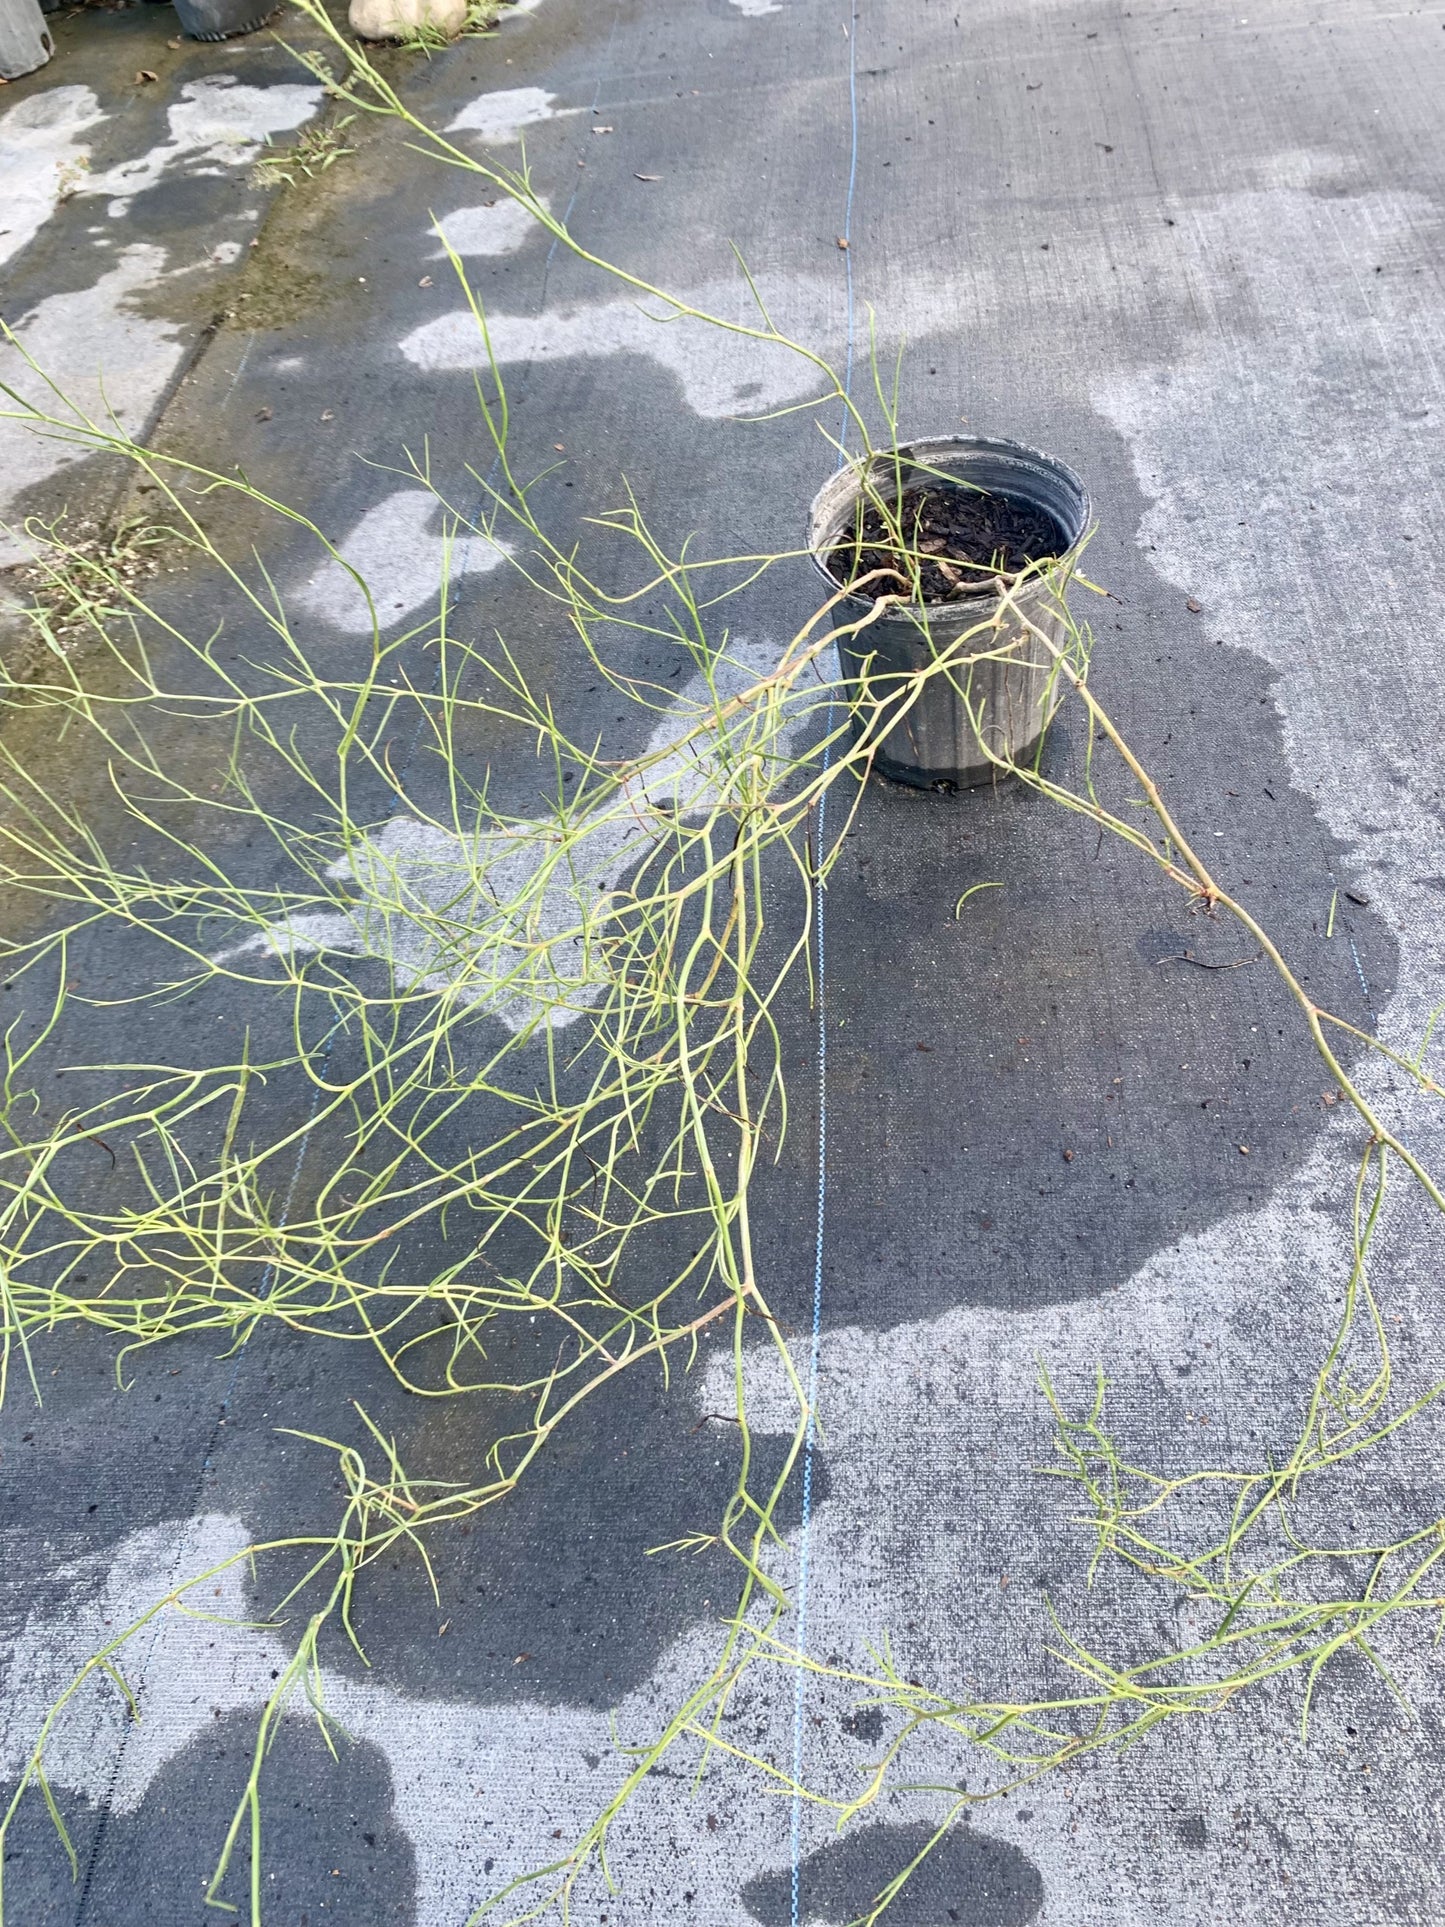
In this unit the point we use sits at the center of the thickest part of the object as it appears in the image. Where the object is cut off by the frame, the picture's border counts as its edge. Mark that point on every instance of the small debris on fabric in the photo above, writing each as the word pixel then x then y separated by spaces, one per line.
pixel 647 177
pixel 1355 897
pixel 263 414
pixel 425 282
pixel 1202 963
pixel 1193 606
pixel 520 1657
pixel 604 130
pixel 1068 1157
pixel 1243 1150
pixel 842 243
pixel 560 447
pixel 1105 145
pixel 927 1047
pixel 1329 1097
pixel 328 414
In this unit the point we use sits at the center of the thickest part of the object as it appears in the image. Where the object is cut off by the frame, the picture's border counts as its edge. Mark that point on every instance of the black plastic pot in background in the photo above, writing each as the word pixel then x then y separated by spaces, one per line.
pixel 223 19
pixel 934 744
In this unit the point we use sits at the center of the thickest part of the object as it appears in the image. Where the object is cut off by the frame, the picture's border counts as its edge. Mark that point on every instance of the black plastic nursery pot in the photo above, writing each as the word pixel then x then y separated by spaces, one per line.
pixel 934 743
pixel 223 19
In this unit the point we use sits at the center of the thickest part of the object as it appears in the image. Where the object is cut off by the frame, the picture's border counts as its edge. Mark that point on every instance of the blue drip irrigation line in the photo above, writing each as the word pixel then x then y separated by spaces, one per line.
pixel 805 1531
pixel 1354 951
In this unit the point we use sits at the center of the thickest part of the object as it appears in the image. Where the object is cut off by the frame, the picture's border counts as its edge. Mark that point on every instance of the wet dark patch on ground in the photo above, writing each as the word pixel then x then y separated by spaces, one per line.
pixel 969 1880
pixel 331 1848
pixel 1031 1093
pixel 564 1570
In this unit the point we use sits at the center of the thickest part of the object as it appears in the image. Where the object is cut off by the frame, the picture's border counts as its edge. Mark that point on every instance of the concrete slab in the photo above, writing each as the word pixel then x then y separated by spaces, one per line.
pixel 1198 257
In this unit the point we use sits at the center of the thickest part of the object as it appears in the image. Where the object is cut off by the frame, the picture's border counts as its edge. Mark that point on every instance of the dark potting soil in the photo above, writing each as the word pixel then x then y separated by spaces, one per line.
pixel 965 537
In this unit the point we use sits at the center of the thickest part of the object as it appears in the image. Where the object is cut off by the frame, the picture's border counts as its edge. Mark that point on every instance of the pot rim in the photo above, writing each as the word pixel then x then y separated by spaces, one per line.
pixel 977 601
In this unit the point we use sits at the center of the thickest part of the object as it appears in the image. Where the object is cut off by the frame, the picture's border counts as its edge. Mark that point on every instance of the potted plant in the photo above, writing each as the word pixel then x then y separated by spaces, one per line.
pixel 978 539
pixel 223 19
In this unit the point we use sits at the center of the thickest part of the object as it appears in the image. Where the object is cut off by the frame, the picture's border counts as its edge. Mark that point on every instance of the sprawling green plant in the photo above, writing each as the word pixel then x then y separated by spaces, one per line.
pixel 542 1055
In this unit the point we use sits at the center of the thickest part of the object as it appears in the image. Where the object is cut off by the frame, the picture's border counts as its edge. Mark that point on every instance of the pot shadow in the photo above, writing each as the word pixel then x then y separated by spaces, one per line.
pixel 1032 1091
